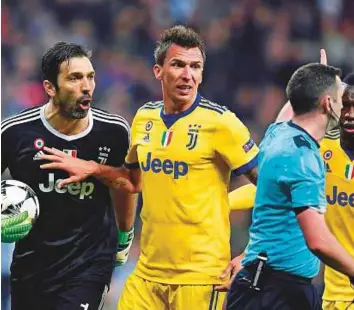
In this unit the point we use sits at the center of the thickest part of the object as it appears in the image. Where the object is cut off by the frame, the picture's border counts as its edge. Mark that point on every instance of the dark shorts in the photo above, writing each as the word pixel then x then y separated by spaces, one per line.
pixel 83 295
pixel 279 291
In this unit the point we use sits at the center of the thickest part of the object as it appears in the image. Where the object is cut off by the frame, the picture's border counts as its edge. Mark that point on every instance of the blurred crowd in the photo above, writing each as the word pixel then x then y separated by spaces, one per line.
pixel 253 46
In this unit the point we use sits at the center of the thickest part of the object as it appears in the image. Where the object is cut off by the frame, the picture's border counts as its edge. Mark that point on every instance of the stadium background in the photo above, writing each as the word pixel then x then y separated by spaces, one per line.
pixel 253 46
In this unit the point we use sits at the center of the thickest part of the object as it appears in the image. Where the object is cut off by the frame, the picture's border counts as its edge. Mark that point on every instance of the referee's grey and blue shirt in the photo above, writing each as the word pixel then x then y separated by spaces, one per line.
pixel 291 175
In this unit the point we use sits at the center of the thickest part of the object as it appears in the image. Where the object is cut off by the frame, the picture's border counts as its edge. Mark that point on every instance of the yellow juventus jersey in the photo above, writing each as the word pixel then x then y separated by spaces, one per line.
pixel 340 212
pixel 186 160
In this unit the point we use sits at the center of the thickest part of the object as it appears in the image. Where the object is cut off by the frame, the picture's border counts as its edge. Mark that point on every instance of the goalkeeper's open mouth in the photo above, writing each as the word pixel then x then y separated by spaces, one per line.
pixel 84 103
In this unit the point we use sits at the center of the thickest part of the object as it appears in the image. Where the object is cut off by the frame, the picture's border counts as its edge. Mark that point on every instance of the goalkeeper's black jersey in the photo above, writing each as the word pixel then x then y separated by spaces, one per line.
pixel 75 233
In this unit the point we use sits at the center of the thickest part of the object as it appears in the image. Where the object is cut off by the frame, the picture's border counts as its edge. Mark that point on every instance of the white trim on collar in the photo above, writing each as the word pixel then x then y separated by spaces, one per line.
pixel 61 135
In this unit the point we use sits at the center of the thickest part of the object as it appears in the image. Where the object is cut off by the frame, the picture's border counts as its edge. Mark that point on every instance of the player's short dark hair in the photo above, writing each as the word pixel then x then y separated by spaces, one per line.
pixel 308 84
pixel 179 35
pixel 58 53
pixel 349 79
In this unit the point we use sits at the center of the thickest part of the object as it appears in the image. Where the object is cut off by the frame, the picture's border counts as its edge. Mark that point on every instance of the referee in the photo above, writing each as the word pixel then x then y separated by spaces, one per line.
pixel 288 235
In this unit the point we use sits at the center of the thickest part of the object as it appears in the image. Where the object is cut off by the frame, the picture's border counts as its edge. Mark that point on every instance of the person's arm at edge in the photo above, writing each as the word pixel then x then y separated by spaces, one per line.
pixel 287 113
pixel 324 245
pixel 124 204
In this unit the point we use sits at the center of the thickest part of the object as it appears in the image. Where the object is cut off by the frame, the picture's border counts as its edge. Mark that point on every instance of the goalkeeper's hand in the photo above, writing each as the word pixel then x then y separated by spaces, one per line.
pixel 15 228
pixel 125 241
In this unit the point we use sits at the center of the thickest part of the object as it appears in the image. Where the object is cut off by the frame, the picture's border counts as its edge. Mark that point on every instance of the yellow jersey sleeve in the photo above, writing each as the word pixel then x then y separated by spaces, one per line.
pixel 131 160
pixel 234 144
pixel 243 197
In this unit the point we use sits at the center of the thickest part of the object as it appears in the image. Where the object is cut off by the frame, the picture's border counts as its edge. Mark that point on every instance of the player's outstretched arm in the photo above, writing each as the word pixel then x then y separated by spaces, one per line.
pixel 323 244
pixel 287 113
pixel 79 169
pixel 125 209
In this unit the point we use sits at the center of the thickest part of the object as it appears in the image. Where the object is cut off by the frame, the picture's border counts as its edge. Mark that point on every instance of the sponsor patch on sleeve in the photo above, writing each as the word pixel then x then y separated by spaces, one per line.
pixel 248 145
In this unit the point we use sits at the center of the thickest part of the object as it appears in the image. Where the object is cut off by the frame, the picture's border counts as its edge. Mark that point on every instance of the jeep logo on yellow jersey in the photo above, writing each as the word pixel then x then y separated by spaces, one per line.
pixel 82 189
pixel 167 166
pixel 342 198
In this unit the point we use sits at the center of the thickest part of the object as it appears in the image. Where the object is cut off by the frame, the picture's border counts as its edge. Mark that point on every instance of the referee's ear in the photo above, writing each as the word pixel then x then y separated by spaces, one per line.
pixel 325 103
pixel 49 88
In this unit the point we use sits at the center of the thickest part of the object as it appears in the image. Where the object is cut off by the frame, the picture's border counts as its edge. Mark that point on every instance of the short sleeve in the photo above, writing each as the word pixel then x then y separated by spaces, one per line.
pixel 305 176
pixel 121 141
pixel 5 148
pixel 131 160
pixel 235 145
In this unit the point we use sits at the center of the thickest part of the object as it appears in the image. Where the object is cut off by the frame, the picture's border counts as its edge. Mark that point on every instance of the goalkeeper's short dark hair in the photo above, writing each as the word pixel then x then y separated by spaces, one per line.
pixel 56 55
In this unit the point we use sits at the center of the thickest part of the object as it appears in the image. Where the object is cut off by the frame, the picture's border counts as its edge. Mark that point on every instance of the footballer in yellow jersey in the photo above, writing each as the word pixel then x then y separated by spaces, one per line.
pixel 338 152
pixel 185 157
pixel 186 162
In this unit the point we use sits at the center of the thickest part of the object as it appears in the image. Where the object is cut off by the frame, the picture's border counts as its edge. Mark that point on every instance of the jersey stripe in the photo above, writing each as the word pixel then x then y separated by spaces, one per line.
pixel 21 115
pixel 20 121
pixel 333 134
pixel 213 104
pixel 109 115
pixel 112 119
pixel 152 105
pixel 209 107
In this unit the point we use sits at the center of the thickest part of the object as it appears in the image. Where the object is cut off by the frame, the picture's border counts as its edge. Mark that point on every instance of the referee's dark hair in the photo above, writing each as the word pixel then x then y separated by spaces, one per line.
pixel 308 84
pixel 179 35
pixel 58 53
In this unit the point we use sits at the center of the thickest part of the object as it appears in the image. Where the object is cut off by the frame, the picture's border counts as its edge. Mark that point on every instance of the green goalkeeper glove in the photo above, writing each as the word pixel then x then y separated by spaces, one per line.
pixel 125 241
pixel 15 228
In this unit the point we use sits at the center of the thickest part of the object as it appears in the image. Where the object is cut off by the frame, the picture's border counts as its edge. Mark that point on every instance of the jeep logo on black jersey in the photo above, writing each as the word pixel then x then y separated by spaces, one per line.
pixel 81 189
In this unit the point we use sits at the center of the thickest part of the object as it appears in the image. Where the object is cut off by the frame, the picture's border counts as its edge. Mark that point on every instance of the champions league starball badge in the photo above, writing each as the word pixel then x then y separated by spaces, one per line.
pixel 148 125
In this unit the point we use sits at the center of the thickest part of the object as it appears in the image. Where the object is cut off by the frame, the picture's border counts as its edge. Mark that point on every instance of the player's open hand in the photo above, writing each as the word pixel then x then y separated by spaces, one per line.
pixel 230 271
pixel 78 169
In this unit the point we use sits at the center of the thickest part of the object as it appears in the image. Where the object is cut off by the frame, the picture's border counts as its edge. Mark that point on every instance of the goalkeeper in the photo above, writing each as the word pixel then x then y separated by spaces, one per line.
pixel 66 260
